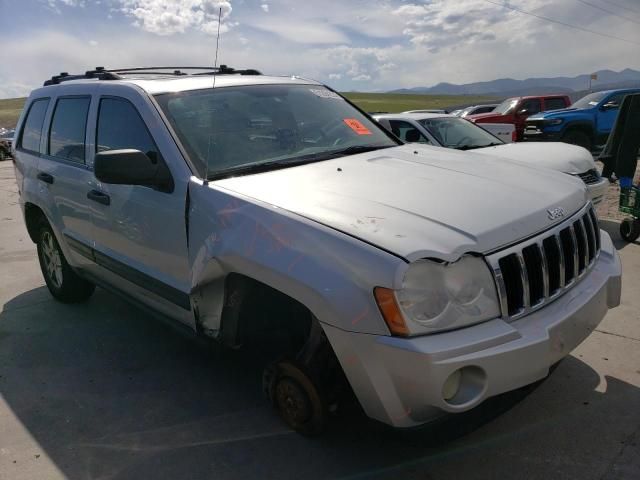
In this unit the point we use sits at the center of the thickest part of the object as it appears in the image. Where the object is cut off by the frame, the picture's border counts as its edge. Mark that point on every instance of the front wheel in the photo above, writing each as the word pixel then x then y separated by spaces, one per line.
pixel 64 284
pixel 576 137
pixel 296 398
pixel 630 229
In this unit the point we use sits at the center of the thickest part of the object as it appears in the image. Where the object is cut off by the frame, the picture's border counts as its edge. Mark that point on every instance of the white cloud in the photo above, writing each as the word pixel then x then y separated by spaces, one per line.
pixel 364 45
pixel 265 7
pixel 299 31
pixel 166 17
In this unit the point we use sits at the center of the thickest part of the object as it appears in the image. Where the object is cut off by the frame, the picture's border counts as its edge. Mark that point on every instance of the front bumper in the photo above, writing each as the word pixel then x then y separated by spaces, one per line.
pixel 537 135
pixel 400 381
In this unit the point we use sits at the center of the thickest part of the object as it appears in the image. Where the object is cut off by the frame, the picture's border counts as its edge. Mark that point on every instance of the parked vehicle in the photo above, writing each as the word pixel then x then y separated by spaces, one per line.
pixel 404 125
pixel 587 122
pixel 270 213
pixel 477 109
pixel 517 109
pixel 6 141
pixel 458 133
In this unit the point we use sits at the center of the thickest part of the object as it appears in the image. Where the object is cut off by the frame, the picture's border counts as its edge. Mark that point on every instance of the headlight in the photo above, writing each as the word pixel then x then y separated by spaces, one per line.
pixel 553 121
pixel 440 296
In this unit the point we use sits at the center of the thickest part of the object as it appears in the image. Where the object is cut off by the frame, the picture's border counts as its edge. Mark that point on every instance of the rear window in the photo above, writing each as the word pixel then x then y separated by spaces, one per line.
pixel 554 103
pixel 68 126
pixel 32 131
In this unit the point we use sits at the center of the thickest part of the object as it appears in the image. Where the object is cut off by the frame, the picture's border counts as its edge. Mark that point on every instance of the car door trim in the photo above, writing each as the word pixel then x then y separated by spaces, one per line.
pixel 172 294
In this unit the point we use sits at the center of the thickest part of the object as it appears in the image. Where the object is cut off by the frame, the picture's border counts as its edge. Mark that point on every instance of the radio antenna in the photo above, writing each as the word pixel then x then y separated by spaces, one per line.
pixel 215 67
pixel 215 63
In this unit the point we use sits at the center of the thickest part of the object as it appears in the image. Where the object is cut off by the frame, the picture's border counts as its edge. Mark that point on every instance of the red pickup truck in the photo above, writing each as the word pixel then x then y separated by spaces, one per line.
pixel 515 110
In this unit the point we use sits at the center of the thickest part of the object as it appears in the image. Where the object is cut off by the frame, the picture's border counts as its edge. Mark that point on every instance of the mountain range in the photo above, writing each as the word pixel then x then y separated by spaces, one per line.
pixel 507 87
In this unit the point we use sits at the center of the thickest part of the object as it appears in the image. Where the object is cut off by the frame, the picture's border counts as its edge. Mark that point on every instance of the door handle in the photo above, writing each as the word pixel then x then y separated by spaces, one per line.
pixel 100 197
pixel 45 177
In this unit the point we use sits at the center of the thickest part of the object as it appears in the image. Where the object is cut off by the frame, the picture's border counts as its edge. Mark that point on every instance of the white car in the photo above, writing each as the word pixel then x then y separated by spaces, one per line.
pixel 454 132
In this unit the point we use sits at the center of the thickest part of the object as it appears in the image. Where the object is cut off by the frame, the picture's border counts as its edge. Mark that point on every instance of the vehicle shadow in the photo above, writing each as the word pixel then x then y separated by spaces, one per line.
pixel 109 392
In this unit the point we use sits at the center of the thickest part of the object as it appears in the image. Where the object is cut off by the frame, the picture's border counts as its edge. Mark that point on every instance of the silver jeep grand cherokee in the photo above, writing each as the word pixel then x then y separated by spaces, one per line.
pixel 270 213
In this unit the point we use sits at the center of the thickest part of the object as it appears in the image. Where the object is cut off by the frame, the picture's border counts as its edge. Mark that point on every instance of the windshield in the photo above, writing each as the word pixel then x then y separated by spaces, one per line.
pixel 590 100
pixel 248 128
pixel 506 106
pixel 454 132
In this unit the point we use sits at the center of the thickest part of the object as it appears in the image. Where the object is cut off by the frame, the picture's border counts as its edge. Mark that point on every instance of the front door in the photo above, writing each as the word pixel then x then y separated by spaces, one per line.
pixel 140 232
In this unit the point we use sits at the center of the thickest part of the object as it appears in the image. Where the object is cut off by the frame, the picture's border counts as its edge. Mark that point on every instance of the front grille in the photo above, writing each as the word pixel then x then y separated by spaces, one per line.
pixel 590 176
pixel 537 271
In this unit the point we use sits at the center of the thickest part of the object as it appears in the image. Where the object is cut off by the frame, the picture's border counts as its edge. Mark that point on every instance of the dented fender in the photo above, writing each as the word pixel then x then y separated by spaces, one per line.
pixel 329 272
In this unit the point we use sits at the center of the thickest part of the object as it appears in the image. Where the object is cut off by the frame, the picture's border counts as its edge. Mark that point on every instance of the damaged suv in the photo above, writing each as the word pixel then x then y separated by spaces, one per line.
pixel 268 212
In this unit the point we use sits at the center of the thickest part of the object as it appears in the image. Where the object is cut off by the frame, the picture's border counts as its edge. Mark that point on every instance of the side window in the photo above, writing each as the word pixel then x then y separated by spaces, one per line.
pixel 120 126
pixel 407 132
pixel 554 104
pixel 532 106
pixel 32 130
pixel 68 127
pixel 615 100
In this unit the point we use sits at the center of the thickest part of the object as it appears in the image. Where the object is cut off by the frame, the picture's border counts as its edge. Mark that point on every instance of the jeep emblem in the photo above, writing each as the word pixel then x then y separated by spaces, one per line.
pixel 555 213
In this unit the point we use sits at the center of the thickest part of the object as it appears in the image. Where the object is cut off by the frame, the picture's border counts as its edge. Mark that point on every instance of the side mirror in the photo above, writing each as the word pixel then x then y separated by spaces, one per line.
pixel 523 112
pixel 610 106
pixel 132 167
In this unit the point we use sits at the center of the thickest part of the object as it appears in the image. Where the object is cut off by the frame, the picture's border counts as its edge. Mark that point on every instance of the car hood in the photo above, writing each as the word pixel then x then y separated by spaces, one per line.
pixel 554 155
pixel 419 201
pixel 556 113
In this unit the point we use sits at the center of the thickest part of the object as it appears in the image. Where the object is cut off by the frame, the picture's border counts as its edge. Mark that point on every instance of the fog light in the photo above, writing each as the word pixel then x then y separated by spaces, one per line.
pixel 451 385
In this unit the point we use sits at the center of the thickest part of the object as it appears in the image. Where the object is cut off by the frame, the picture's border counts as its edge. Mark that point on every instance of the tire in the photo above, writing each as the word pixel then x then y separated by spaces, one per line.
pixel 296 398
pixel 64 284
pixel 577 137
pixel 630 229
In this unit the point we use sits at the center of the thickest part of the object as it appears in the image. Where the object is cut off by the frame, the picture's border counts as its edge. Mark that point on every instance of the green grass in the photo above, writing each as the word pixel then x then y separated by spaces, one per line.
pixel 370 102
pixel 10 109
pixel 393 102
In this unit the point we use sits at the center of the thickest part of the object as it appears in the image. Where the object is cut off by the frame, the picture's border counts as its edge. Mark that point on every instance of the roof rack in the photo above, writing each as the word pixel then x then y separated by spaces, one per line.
pixel 102 73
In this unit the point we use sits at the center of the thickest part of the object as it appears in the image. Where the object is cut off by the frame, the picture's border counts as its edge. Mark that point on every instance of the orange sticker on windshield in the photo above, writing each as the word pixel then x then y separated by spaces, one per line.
pixel 357 126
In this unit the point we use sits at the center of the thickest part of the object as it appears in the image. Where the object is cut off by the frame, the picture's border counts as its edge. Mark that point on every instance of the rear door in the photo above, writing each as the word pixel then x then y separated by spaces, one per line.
pixel 140 232
pixel 64 174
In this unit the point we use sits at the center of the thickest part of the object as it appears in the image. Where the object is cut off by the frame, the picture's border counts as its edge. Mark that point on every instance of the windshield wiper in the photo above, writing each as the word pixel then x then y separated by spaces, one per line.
pixel 355 149
pixel 251 168
pixel 473 147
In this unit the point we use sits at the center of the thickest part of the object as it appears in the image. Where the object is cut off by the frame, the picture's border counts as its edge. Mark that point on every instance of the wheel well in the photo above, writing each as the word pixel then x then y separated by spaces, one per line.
pixel 33 215
pixel 583 128
pixel 259 315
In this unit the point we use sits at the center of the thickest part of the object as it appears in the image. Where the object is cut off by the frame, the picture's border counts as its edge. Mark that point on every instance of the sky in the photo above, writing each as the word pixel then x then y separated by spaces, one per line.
pixel 352 45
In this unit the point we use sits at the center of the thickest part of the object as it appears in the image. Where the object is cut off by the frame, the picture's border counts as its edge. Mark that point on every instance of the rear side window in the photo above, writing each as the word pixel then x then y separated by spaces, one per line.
pixel 554 103
pixel 68 127
pixel 120 126
pixel 32 131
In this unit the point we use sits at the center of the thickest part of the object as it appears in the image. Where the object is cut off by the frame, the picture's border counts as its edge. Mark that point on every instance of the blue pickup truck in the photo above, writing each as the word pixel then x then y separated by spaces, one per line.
pixel 587 122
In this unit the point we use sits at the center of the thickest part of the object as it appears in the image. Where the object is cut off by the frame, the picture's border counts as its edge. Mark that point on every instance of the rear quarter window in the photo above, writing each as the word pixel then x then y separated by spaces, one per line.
pixel 32 130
